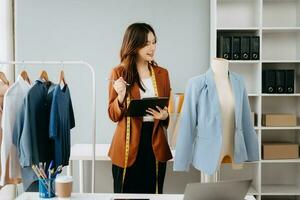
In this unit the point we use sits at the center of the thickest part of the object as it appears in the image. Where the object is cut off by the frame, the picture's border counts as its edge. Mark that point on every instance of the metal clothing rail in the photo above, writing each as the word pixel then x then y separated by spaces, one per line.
pixel 93 98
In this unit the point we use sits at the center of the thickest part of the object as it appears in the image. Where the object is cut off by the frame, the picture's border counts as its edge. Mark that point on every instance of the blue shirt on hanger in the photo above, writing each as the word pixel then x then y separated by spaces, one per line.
pixel 61 122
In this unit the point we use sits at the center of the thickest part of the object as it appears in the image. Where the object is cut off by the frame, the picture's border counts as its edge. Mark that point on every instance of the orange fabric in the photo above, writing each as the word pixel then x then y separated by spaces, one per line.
pixel 227 159
pixel 10 180
pixel 116 112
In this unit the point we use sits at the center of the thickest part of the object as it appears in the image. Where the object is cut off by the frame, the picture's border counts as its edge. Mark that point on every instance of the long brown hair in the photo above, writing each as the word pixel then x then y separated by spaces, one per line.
pixel 135 38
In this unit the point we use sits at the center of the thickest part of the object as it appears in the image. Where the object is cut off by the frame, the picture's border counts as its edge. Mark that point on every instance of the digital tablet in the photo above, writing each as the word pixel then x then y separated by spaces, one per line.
pixel 138 107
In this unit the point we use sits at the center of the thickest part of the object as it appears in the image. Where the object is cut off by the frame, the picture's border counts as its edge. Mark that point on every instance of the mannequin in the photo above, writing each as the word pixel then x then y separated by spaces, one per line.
pixel 216 126
pixel 226 101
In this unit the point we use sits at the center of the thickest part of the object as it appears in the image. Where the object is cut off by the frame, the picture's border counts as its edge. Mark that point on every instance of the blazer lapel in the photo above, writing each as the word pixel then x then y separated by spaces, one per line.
pixel 159 82
pixel 213 93
pixel 237 96
pixel 160 91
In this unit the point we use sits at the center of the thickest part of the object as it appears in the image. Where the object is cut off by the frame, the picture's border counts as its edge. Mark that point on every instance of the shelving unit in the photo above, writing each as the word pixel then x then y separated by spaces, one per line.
pixel 277 22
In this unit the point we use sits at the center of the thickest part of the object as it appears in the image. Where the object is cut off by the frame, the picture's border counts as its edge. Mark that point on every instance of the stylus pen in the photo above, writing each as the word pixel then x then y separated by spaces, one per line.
pixel 113 81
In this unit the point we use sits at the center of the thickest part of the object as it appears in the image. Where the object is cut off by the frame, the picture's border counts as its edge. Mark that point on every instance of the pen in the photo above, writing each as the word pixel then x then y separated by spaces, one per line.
pixel 49 168
pixel 58 169
pixel 36 172
pixel 50 172
pixel 41 167
pixel 41 173
pixel 113 81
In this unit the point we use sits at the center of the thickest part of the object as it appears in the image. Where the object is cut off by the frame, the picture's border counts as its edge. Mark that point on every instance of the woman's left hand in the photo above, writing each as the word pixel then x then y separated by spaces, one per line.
pixel 161 114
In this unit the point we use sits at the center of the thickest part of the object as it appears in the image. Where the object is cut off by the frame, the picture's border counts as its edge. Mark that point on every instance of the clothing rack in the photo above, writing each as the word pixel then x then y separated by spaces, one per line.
pixel 93 98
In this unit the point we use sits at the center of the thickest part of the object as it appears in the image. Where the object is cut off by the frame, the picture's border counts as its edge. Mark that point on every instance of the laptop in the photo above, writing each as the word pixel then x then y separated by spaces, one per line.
pixel 222 190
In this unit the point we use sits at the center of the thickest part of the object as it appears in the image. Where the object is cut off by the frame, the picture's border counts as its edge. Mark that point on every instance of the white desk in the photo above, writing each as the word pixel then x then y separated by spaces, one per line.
pixel 106 196
pixel 109 196
pixel 83 152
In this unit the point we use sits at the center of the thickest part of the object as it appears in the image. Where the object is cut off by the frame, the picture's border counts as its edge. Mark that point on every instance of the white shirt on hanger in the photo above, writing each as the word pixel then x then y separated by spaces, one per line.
pixel 149 92
pixel 13 100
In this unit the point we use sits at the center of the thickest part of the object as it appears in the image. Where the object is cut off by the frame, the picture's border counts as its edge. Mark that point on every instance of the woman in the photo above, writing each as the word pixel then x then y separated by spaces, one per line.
pixel 139 149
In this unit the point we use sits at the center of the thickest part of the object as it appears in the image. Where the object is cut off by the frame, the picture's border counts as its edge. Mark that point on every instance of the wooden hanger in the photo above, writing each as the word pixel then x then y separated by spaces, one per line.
pixel 44 75
pixel 3 78
pixel 25 76
pixel 62 78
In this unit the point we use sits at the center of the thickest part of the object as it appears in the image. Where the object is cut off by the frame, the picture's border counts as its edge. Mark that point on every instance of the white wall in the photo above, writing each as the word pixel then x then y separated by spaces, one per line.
pixel 92 30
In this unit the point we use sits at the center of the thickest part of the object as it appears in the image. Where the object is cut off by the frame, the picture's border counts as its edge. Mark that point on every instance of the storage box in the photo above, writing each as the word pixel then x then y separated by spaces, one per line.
pixel 279 120
pixel 280 151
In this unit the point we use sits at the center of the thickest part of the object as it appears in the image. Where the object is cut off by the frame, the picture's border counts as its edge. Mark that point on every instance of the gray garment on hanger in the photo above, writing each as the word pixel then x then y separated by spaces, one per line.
pixel 31 130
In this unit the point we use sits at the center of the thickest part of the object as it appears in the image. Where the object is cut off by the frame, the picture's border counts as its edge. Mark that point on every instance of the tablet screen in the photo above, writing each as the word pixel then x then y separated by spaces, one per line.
pixel 138 107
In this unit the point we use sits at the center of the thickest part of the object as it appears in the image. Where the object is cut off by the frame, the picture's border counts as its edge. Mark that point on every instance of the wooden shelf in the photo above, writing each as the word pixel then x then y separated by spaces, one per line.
pixel 253 95
pixel 280 190
pixel 280 29
pixel 281 61
pixel 282 161
pixel 280 128
pixel 244 61
pixel 280 95
pixel 238 29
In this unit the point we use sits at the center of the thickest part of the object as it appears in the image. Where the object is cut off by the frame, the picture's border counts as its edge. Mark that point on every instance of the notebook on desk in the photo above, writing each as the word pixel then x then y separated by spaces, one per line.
pixel 223 190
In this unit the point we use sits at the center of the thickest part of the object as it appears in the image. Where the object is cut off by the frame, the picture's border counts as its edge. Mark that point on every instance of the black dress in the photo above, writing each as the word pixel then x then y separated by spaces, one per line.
pixel 141 176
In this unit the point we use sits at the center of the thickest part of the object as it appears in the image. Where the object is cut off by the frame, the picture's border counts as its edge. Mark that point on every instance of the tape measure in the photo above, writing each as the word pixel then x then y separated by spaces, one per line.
pixel 127 139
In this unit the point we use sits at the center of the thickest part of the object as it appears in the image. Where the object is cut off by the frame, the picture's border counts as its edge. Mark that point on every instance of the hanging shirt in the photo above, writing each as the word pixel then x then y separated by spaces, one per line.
pixel 13 100
pixel 31 130
pixel 149 92
pixel 61 122
pixel 3 89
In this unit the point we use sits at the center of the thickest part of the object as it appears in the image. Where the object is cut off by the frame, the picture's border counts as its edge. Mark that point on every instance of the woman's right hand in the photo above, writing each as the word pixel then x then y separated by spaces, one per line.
pixel 120 87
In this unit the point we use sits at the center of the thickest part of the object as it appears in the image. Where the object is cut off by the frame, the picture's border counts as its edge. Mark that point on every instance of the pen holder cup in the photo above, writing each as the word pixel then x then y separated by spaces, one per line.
pixel 46 188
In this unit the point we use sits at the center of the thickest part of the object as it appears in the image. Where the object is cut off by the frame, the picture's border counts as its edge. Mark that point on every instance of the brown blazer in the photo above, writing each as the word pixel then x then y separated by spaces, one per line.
pixel 116 111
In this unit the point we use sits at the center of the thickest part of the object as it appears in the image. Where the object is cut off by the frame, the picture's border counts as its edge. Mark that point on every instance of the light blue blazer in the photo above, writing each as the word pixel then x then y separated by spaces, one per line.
pixel 200 133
